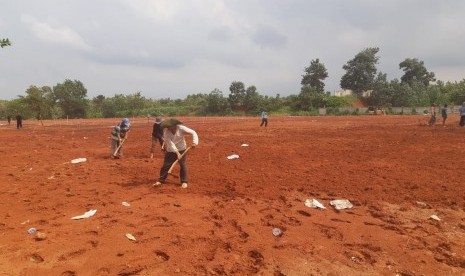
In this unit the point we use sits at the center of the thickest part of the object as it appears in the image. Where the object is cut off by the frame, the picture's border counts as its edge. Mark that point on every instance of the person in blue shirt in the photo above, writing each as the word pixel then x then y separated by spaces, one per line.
pixel 118 135
pixel 264 119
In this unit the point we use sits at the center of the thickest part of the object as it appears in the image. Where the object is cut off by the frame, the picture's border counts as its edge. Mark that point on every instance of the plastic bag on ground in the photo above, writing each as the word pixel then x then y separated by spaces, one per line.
pixel 340 204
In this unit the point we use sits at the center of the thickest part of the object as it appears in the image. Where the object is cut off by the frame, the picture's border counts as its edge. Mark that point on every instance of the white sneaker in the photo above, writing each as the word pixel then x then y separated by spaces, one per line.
pixel 184 185
pixel 158 183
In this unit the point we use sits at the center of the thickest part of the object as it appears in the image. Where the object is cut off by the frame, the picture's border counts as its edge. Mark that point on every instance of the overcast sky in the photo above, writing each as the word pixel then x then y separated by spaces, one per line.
pixel 172 48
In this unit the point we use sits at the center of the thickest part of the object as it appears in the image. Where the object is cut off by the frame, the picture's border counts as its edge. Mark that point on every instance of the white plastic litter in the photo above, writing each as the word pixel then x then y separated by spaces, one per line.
pixel 341 204
pixel 124 203
pixel 233 156
pixel 244 145
pixel 435 218
pixel 87 214
pixel 277 232
pixel 314 203
pixel 78 160
pixel 130 237
pixel 51 177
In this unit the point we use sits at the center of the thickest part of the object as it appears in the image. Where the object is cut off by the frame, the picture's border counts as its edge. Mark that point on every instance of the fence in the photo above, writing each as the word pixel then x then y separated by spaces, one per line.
pixel 394 110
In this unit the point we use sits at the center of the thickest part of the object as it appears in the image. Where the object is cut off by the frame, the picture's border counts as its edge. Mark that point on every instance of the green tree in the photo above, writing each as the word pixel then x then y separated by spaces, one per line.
pixel 96 106
pixel 309 98
pixel 71 98
pixel 39 101
pixel 455 91
pixel 135 103
pixel 216 103
pixel 4 42
pixel 236 96
pixel 415 70
pixel 314 76
pixel 402 94
pixel 382 92
pixel 253 101
pixel 360 72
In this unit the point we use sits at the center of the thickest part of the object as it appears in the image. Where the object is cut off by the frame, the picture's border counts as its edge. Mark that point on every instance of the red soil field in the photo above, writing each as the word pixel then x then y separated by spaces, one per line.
pixel 396 171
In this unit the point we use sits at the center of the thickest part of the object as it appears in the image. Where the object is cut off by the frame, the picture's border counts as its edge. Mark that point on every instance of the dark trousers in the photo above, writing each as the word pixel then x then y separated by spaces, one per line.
pixel 462 121
pixel 264 121
pixel 19 124
pixel 170 157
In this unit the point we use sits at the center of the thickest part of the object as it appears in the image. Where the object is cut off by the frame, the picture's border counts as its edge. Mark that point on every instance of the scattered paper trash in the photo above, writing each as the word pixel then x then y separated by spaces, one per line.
pixel 85 138
pixel 87 214
pixel 78 160
pixel 124 203
pixel 130 237
pixel 340 204
pixel 435 218
pixel 24 222
pixel 244 145
pixel 51 177
pixel 30 169
pixel 31 231
pixel 233 156
pixel 314 203
pixel 355 259
pixel 421 204
pixel 277 232
pixel 40 236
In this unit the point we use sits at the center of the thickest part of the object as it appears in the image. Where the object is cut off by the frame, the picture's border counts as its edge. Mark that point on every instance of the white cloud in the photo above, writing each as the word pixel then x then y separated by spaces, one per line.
pixel 59 35
pixel 158 10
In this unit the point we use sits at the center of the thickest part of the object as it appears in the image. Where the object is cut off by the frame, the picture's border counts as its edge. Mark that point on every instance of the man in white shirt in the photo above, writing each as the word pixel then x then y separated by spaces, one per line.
pixel 175 145
pixel 264 118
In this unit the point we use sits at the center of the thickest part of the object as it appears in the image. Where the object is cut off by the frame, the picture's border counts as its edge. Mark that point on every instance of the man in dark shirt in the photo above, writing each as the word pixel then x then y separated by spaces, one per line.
pixel 157 135
pixel 19 121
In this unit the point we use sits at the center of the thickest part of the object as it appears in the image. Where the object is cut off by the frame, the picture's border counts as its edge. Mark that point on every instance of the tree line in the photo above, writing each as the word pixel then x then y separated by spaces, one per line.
pixel 416 87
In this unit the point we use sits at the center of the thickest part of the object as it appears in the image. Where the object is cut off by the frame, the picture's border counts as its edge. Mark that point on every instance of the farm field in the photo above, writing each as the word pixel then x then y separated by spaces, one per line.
pixel 395 170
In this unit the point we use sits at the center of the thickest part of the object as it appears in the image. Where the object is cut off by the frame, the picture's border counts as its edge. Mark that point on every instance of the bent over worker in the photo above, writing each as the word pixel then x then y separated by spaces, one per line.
pixel 175 145
pixel 157 135
pixel 118 135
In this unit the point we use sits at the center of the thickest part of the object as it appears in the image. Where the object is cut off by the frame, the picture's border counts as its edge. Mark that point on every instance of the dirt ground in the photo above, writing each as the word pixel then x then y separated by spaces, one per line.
pixel 396 171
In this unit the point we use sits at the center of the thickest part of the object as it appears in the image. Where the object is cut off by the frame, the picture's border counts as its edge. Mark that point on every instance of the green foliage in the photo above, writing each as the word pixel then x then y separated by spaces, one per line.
pixel 4 42
pixel 360 72
pixel 39 101
pixel 336 102
pixel 309 98
pixel 312 112
pixel 236 96
pixel 216 103
pixel 455 91
pixel 17 106
pixel 415 70
pixel 70 96
pixel 314 76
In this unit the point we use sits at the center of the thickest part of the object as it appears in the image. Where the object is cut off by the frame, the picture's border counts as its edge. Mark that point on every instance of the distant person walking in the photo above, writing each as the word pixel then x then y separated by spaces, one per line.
pixel 19 121
pixel 462 114
pixel 8 118
pixel 118 135
pixel 157 136
pixel 444 112
pixel 432 112
pixel 264 119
